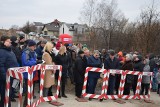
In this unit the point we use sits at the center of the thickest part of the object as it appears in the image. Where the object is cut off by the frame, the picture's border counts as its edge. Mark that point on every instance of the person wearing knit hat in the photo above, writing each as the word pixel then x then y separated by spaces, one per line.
pixel 80 52
pixel 4 40
pixel 29 58
pixel 21 37
pixel 31 43
pixel 13 38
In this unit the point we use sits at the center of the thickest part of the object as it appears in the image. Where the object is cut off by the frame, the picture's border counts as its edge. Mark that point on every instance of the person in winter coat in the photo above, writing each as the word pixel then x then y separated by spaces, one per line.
pixel 79 71
pixel 17 52
pixel 7 60
pixel 158 81
pixel 62 59
pixel 121 59
pixel 111 63
pixel 15 49
pixel 39 49
pixel 103 55
pixel 39 52
pixel 49 78
pixel 21 42
pixel 93 61
pixel 152 62
pixel 29 58
pixel 145 78
pixel 154 69
pixel 69 55
pixel 128 65
pixel 138 66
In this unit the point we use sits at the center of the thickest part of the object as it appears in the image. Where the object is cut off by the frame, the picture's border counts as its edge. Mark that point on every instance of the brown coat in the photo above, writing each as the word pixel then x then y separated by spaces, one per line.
pixel 49 78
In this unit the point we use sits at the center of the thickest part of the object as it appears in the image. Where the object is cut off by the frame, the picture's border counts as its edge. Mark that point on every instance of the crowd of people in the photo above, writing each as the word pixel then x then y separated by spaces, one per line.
pixel 74 58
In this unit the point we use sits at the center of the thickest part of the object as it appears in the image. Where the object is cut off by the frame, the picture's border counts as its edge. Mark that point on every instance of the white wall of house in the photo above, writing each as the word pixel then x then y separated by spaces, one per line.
pixel 66 30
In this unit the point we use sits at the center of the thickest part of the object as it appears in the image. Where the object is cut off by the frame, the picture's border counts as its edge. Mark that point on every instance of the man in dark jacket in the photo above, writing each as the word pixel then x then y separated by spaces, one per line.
pixel 138 66
pixel 111 63
pixel 152 62
pixel 7 60
pixel 17 52
pixel 93 61
pixel 79 71
pixel 70 70
pixel 15 49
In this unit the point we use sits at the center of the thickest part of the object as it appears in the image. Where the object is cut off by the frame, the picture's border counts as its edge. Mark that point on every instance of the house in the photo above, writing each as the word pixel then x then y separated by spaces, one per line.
pixel 38 26
pixel 77 31
pixel 51 29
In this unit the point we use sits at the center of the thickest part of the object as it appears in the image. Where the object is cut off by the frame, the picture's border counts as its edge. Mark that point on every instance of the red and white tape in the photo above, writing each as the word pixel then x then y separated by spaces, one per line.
pixel 49 98
pixel 92 69
pixel 136 96
pixel 113 71
pixel 16 73
pixel 150 85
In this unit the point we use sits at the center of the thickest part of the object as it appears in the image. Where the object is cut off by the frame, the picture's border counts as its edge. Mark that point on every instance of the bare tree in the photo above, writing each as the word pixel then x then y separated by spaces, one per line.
pixel 148 30
pixel 28 27
pixel 106 19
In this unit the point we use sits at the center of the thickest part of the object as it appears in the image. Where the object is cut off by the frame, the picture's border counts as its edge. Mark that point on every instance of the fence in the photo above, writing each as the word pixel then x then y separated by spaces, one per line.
pixel 121 86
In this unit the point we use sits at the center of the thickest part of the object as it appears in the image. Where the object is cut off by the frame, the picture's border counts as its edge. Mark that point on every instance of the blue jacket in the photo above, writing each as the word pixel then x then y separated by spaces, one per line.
pixel 7 60
pixel 39 52
pixel 29 58
pixel 109 64
pixel 94 62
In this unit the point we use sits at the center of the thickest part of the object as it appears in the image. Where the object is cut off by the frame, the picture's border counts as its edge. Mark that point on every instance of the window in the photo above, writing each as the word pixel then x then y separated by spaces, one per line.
pixel 45 33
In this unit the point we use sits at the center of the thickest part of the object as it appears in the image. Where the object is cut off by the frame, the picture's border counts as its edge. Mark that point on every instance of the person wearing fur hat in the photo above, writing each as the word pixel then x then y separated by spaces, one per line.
pixel 128 65
pixel 7 60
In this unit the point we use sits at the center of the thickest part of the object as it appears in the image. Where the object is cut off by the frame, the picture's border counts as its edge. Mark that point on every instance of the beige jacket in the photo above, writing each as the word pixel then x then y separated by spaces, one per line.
pixel 49 78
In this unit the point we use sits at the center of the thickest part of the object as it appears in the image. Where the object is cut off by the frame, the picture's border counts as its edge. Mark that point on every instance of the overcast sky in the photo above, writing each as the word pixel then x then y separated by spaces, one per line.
pixel 18 12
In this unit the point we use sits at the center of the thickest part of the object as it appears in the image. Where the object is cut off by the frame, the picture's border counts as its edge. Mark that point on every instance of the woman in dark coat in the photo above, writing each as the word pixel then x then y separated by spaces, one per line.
pixel 128 65
pixel 62 59
pixel 79 71
pixel 7 60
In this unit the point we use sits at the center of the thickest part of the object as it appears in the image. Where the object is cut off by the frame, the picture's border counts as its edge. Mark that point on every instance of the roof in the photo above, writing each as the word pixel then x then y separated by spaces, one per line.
pixel 38 24
pixel 52 27
pixel 69 25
